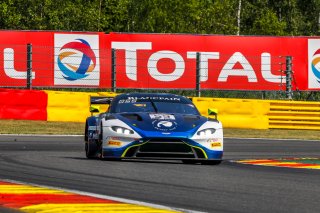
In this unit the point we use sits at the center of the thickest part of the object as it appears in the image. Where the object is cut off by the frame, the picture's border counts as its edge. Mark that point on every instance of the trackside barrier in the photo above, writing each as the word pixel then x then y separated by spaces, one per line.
pixel 294 115
pixel 70 106
pixel 236 113
pixel 23 104
pixel 263 114
pixel 67 106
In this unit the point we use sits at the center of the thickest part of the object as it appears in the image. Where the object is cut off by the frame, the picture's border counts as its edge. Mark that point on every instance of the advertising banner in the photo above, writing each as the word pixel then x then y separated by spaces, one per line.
pixel 76 60
pixel 159 61
pixel 226 62
pixel 58 59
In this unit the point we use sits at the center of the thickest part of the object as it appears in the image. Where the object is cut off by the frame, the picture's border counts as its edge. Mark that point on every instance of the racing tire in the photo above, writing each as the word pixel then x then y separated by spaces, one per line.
pixel 86 133
pixel 100 153
pixel 211 162
pixel 100 141
pixel 91 149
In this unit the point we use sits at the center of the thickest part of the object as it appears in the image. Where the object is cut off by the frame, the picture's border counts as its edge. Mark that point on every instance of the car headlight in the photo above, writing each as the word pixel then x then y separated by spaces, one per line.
pixel 206 132
pixel 122 130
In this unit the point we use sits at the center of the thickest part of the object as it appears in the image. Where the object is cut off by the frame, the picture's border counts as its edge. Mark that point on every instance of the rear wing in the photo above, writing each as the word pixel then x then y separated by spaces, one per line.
pixel 99 103
pixel 100 100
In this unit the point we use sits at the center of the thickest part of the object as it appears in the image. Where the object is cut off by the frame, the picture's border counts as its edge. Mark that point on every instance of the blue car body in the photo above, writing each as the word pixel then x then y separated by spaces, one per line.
pixel 154 126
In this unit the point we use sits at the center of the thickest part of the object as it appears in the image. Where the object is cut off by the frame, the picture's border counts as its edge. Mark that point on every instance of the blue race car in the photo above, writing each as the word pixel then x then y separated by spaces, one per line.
pixel 153 126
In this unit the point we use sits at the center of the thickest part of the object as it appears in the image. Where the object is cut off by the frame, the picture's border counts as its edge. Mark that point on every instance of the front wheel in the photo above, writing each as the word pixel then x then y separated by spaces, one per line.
pixel 91 149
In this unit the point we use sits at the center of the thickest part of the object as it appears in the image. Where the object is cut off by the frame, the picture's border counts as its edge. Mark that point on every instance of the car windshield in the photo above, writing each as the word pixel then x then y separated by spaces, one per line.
pixel 161 107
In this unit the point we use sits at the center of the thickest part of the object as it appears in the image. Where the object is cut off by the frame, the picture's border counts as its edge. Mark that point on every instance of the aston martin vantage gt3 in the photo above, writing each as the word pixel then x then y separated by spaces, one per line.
pixel 153 126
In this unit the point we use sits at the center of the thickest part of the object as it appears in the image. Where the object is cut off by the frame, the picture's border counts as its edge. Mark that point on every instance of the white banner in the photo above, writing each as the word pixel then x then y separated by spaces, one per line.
pixel 76 60
pixel 313 63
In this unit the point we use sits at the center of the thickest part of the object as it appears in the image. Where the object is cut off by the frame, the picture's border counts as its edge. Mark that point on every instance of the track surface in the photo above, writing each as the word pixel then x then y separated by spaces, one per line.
pixel 229 187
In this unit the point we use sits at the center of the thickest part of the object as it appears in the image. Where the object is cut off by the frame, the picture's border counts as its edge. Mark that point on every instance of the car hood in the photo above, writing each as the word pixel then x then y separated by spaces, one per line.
pixel 162 123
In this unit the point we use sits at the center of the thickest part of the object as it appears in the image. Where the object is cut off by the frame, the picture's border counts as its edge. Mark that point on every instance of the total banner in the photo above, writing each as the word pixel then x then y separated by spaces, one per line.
pixel 59 59
pixel 226 62
pixel 159 61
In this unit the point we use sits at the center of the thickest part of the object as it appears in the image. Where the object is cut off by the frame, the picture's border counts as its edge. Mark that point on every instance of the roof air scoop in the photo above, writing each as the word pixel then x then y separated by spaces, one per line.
pixel 134 117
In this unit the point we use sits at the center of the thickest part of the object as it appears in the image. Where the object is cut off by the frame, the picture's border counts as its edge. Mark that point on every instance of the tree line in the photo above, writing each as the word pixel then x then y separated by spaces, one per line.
pixel 228 17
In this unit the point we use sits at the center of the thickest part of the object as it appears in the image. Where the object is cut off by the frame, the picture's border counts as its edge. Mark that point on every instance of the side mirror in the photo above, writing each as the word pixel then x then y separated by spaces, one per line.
pixel 94 109
pixel 213 112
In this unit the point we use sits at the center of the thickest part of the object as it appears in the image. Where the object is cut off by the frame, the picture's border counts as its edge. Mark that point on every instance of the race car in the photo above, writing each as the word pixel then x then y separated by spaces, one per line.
pixel 153 126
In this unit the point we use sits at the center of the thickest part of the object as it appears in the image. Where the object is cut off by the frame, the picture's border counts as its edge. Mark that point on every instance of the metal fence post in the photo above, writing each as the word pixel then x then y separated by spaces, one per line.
pixel 289 77
pixel 198 75
pixel 113 70
pixel 29 66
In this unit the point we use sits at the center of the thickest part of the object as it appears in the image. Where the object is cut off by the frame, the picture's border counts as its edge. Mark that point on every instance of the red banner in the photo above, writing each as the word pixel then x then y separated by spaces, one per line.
pixel 59 59
pixel 226 62
pixel 165 61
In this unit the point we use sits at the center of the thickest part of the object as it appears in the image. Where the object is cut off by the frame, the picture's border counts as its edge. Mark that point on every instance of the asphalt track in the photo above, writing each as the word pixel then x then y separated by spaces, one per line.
pixel 229 187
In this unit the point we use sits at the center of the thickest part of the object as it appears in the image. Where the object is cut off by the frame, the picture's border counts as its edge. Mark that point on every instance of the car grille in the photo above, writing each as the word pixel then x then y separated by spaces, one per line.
pixel 165 148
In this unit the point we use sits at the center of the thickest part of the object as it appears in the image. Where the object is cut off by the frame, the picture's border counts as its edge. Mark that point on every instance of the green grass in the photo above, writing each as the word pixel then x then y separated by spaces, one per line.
pixel 41 127
pixel 73 128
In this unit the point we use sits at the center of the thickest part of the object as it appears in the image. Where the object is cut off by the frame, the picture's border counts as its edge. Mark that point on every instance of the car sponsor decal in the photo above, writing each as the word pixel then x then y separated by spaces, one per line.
pixel 114 143
pixel 157 98
pixel 92 128
pixel 299 163
pixel 163 125
pixel 28 198
pixel 215 144
pixel 134 99
pixel 157 116
pixel 127 101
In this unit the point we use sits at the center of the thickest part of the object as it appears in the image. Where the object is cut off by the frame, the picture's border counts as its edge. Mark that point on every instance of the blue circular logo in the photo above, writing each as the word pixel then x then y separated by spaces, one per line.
pixel 163 125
